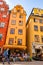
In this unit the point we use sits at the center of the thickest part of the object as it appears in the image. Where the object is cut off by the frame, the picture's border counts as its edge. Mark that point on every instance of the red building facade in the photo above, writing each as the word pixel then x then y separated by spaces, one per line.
pixel 4 20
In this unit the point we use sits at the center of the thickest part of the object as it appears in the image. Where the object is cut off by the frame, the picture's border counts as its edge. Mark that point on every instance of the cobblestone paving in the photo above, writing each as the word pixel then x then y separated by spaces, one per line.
pixel 25 63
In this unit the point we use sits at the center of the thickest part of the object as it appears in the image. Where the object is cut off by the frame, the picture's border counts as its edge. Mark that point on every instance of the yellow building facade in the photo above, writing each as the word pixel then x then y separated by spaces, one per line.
pixel 16 35
pixel 34 28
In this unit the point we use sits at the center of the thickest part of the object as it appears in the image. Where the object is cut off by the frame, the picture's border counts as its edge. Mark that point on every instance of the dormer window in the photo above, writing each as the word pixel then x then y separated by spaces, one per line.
pixel 18 10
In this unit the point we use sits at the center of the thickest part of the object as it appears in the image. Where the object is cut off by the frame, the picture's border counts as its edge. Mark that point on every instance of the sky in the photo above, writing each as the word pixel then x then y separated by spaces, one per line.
pixel 28 5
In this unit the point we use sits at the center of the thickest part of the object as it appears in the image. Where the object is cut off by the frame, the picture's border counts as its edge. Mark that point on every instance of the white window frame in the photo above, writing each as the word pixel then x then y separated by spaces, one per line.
pixel 2 24
pixel 4 16
pixel 13 22
pixel 2 9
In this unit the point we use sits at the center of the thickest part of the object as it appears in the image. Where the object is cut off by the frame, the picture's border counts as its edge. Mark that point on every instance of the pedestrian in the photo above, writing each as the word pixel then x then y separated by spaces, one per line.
pixel 6 56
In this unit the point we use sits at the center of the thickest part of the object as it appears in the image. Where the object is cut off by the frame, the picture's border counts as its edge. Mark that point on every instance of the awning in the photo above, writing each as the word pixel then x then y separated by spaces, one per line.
pixel 15 47
pixel 38 47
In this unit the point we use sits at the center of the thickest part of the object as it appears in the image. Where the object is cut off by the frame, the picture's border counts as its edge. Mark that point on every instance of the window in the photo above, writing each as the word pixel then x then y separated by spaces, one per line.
pixel 13 22
pixel 18 10
pixel 1 3
pixel 2 9
pixel 41 28
pixel 11 41
pixel 12 31
pixel 42 14
pixel 42 38
pixel 36 14
pixel 2 24
pixel 1 36
pixel 20 31
pixel 41 21
pixel 19 41
pixel 14 15
pixel 36 38
pixel 35 20
pixel 20 22
pixel 35 27
pixel 4 16
pixel 21 16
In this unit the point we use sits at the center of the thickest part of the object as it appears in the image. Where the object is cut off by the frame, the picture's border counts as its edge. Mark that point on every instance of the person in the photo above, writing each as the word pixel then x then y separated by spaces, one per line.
pixel 0 56
pixel 6 56
pixel 14 56
pixel 11 56
pixel 25 56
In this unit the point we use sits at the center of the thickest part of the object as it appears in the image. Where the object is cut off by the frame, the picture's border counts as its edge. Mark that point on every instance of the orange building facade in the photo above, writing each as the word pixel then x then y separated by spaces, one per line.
pixel 16 35
pixel 4 18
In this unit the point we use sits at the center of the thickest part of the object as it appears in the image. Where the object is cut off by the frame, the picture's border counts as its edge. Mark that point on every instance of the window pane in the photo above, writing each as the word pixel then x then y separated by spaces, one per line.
pixel 20 22
pixel 36 38
pixel 35 20
pixel 35 27
pixel 2 9
pixel 2 24
pixel 21 16
pixel 20 31
pixel 41 28
pixel 13 22
pixel 12 31
pixel 18 10
pixel 11 40
pixel 19 41
pixel 1 36
pixel 41 21
pixel 14 15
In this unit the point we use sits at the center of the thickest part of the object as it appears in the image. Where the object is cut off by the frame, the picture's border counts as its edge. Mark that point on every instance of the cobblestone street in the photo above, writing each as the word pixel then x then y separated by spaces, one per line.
pixel 25 63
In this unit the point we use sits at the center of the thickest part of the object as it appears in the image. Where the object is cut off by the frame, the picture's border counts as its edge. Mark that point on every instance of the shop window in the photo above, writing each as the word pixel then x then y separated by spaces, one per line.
pixel 19 41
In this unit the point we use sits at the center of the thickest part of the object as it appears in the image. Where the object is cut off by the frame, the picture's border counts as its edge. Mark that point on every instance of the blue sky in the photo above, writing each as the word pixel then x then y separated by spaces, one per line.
pixel 27 4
